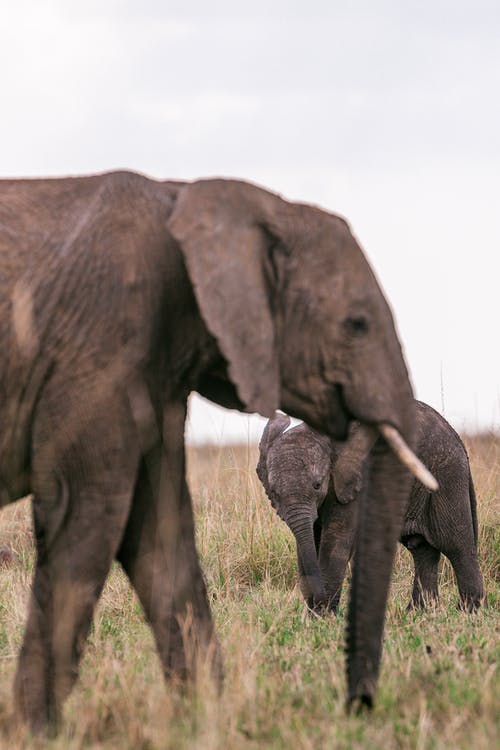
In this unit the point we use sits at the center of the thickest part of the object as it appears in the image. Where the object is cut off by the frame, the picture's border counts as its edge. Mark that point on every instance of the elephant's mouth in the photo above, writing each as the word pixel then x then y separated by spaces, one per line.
pixel 339 416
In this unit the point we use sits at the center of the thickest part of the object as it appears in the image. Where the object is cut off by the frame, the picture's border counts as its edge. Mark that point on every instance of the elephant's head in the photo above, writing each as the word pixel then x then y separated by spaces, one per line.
pixel 296 311
pixel 302 325
pixel 294 467
pixel 297 467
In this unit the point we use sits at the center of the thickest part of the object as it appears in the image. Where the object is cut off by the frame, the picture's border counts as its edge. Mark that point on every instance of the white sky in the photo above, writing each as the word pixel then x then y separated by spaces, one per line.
pixel 385 112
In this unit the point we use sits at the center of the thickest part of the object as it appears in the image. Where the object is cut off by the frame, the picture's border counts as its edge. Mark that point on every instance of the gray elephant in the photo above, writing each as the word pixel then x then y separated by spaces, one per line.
pixel 315 483
pixel 119 295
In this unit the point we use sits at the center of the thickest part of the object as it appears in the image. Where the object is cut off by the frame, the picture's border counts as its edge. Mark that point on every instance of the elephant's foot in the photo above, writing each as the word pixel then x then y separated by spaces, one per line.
pixel 321 609
pixel 360 704
pixel 34 706
pixel 470 603
pixel 423 601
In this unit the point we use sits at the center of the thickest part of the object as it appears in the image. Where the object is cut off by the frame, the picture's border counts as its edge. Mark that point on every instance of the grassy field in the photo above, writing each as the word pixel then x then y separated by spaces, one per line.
pixel 284 686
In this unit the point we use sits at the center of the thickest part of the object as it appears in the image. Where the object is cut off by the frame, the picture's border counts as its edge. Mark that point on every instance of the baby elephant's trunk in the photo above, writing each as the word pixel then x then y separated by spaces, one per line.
pixel 301 522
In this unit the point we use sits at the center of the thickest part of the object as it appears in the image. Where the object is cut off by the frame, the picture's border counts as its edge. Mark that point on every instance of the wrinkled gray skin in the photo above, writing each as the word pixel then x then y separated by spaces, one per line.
pixel 119 295
pixel 314 484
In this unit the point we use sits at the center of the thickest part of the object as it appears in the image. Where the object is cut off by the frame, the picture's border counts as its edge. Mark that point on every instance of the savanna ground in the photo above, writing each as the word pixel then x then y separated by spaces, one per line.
pixel 284 685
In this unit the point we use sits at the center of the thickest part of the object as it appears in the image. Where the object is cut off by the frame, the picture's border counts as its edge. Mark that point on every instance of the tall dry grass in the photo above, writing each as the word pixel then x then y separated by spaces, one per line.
pixel 284 685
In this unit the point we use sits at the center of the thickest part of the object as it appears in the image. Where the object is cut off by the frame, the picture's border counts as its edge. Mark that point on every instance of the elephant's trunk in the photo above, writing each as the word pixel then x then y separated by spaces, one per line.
pixel 383 502
pixel 300 521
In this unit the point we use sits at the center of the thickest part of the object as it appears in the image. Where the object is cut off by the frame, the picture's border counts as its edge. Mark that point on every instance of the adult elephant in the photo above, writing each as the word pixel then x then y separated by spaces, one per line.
pixel 118 296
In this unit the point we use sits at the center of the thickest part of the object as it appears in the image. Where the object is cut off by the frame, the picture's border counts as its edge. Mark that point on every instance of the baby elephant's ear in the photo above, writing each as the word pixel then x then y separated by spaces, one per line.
pixel 349 460
pixel 347 487
pixel 276 425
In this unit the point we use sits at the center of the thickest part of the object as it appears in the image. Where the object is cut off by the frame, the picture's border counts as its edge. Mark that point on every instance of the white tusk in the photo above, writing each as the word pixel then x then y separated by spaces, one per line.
pixel 407 457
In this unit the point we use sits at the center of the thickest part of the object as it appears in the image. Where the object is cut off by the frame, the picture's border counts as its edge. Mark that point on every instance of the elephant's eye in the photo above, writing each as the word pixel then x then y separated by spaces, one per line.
pixel 356 325
pixel 316 484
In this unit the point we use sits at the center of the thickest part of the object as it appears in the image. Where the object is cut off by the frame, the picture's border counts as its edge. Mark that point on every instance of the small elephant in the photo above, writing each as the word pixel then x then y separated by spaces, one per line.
pixel 312 482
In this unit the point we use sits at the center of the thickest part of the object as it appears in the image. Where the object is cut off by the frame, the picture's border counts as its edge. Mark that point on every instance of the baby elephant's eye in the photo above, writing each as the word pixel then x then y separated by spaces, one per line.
pixel 317 484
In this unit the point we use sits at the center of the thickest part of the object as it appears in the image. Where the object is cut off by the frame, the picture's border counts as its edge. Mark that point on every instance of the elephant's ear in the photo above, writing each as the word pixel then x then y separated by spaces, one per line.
pixel 219 226
pixel 349 460
pixel 276 425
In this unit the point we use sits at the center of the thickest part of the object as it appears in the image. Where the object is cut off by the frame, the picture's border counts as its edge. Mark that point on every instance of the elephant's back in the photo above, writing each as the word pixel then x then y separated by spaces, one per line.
pixel 78 243
pixel 39 217
pixel 82 267
pixel 440 447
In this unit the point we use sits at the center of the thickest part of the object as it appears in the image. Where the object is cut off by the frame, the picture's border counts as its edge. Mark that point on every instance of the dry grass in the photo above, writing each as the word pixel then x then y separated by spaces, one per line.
pixel 284 682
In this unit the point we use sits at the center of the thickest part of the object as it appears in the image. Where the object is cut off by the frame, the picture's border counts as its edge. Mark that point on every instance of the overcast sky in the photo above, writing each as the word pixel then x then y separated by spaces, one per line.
pixel 385 112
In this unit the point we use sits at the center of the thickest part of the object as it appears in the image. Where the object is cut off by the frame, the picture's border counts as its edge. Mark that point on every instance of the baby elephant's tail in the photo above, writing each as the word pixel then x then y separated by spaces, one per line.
pixel 473 506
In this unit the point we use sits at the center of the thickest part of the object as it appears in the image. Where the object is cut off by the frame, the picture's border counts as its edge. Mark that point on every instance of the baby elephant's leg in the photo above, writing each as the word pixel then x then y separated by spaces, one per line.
pixel 426 561
pixel 469 578
pixel 337 542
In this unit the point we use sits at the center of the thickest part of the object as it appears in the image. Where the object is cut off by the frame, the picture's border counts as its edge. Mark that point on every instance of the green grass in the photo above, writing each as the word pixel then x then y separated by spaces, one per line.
pixel 285 684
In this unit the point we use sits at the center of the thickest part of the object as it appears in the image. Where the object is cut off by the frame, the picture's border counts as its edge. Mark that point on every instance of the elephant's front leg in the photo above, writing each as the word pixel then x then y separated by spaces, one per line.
pixel 158 553
pixel 337 543
pixel 81 503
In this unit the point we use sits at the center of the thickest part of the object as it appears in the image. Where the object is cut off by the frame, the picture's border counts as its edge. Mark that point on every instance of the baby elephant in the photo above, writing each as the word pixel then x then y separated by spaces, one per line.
pixel 313 484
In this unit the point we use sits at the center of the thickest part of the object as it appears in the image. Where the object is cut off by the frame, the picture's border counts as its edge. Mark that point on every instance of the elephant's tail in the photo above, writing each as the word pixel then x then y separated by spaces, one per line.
pixel 473 506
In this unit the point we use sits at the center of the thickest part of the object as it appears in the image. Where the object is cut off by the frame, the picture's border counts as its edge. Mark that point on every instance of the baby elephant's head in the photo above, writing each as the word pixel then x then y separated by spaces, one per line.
pixel 295 468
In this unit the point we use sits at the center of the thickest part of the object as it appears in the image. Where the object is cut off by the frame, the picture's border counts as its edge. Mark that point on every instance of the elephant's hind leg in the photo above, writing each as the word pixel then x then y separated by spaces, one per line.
pixel 469 578
pixel 80 509
pixel 425 582
pixel 159 555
